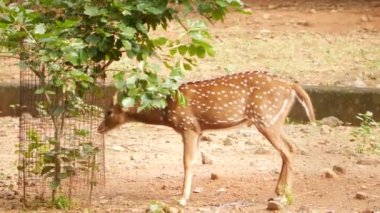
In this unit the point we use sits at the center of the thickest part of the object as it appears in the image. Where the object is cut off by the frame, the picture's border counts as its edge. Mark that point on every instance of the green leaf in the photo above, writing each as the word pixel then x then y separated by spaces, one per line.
pixel 127 45
pixel 160 41
pixel 40 29
pixel 54 185
pixel 48 158
pixel 142 28
pixel 131 80
pixel 181 98
pixel 192 50
pixel 128 102
pixel 93 39
pixel 34 146
pixel 201 52
pixel 72 56
pixel 46 169
pixel 40 91
pixel 58 110
pixel 182 49
pixel 91 11
pixel 127 32
pixel 63 175
pixel 83 56
pixel 119 76
pixel 187 66
pixel 55 67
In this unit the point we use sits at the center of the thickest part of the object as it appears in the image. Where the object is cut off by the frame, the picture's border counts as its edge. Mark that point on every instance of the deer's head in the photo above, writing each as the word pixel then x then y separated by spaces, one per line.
pixel 115 116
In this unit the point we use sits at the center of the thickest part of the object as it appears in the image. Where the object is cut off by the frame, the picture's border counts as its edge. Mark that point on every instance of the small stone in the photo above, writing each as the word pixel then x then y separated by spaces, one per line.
pixel 301 151
pixel 274 205
pixel 206 160
pixel 10 197
pixel 15 192
pixel 371 76
pixel 198 190
pixel 364 18
pixel 163 187
pixel 266 16
pixel 132 157
pixel 329 173
pixel 249 143
pixel 103 201
pixel 221 190
pixel 174 210
pixel 304 23
pixel 228 141
pixel 368 161
pixel 262 151
pixel 265 31
pixel 207 138
pixel 368 211
pixel 339 170
pixel 325 129
pixel 361 195
pixel 214 176
pixel 118 148
pixel 272 6
pixel 246 133
pixel 359 83
pixel 331 121
pixel 305 209
pixel 313 11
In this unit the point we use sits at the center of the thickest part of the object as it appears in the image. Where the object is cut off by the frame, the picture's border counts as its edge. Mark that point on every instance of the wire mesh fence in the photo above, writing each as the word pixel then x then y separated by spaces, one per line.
pixel 79 136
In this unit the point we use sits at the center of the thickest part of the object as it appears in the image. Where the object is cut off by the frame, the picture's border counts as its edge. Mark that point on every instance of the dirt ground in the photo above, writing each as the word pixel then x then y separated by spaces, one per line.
pixel 314 42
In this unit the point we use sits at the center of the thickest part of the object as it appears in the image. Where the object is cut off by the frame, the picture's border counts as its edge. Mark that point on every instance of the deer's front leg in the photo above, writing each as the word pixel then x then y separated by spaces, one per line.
pixel 190 141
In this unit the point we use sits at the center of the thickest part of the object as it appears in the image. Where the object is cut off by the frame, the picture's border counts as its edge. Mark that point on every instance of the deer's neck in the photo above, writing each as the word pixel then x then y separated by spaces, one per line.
pixel 151 116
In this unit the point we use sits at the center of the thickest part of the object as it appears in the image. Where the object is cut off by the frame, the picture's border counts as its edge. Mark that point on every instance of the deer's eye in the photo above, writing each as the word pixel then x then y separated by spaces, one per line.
pixel 108 113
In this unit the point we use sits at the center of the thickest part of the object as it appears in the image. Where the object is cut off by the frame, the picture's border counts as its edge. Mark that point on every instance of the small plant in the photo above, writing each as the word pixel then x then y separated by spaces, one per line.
pixel 365 133
pixel 40 157
pixel 61 202
pixel 288 195
pixel 161 207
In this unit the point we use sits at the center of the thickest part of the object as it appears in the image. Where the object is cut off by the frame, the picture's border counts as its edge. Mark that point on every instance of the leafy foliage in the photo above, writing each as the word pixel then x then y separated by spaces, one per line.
pixel 161 207
pixel 365 133
pixel 69 45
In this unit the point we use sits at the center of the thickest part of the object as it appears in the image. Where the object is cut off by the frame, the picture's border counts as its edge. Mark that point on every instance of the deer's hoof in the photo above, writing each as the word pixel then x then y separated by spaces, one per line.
pixel 277 203
pixel 182 202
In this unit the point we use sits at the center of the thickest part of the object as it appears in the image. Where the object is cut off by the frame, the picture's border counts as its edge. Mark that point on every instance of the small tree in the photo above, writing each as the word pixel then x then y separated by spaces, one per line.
pixel 68 45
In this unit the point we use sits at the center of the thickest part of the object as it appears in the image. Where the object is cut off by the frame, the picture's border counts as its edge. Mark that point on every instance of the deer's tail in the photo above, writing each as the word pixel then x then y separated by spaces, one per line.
pixel 305 101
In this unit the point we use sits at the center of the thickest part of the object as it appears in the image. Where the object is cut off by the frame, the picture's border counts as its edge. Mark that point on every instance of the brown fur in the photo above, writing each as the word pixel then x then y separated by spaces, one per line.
pixel 257 98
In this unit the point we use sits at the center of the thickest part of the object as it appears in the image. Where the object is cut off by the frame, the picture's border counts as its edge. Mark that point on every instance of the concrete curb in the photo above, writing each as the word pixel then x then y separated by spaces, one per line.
pixel 342 102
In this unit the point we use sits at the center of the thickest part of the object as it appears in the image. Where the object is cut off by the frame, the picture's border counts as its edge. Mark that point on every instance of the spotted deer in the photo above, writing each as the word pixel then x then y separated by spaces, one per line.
pixel 255 97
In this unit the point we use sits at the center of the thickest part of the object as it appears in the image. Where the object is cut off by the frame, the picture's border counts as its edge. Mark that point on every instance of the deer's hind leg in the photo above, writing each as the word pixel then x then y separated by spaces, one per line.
pixel 292 147
pixel 285 179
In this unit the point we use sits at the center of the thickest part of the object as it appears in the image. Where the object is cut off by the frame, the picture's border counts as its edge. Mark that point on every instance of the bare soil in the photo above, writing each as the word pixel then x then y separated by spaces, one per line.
pixel 316 42
pixel 144 163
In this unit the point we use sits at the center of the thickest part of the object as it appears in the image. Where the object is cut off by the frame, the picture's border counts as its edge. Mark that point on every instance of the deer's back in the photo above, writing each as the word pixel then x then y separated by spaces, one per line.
pixel 229 100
